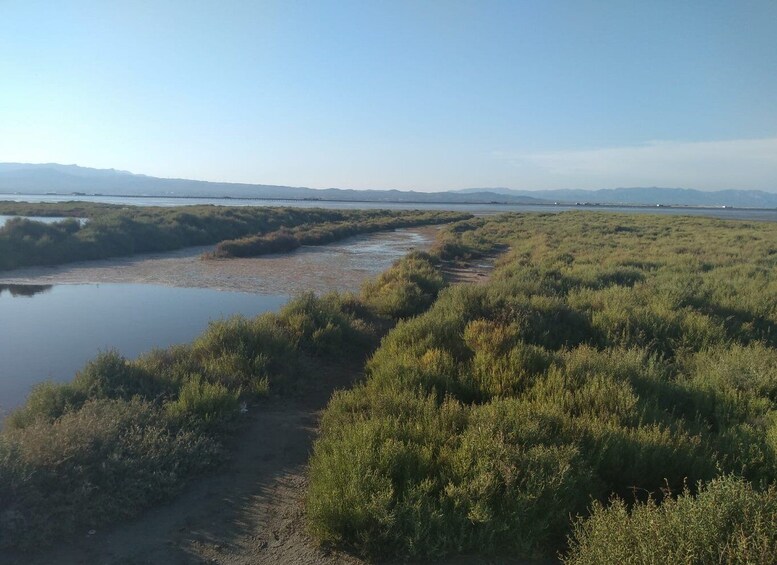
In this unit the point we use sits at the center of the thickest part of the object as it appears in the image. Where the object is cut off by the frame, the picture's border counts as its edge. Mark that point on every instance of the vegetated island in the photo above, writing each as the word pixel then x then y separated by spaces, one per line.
pixel 607 396
pixel 288 239
pixel 116 231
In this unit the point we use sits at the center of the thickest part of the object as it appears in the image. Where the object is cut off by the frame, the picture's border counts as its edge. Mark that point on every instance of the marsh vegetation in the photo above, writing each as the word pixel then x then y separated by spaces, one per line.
pixel 125 434
pixel 609 395
pixel 320 233
pixel 116 231
pixel 609 356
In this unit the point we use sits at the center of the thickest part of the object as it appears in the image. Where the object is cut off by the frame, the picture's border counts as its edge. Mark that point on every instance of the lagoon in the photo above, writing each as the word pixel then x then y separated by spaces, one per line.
pixel 50 332
pixel 55 319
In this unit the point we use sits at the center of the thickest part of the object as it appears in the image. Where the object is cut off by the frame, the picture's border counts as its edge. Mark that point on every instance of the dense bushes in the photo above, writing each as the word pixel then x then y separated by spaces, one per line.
pixel 408 288
pixel 92 465
pixel 114 231
pixel 610 363
pixel 727 522
pixel 608 355
pixel 125 434
pixel 288 239
pixel 419 477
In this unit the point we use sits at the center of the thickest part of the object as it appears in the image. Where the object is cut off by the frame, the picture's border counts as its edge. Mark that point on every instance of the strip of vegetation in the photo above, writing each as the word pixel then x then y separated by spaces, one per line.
pixel 126 434
pixel 59 209
pixel 114 231
pixel 609 355
pixel 288 239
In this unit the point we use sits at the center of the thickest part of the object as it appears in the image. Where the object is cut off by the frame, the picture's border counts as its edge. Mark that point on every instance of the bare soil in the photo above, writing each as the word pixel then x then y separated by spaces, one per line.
pixel 476 271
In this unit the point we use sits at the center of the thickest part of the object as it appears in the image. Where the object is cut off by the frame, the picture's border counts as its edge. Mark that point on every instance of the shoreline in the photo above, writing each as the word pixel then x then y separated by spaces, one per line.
pixel 341 265
pixel 550 203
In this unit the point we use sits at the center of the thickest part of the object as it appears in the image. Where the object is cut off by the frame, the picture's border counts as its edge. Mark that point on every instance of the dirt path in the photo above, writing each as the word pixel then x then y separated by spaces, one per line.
pixel 250 511
pixel 477 271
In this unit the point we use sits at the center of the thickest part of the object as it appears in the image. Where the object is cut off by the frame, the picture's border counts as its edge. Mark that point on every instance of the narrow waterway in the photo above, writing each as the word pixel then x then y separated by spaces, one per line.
pixel 54 319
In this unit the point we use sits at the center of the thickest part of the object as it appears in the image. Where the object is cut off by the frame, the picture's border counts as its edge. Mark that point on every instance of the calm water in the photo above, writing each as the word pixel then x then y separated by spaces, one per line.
pixel 342 266
pixel 50 332
pixel 54 319
pixel 730 213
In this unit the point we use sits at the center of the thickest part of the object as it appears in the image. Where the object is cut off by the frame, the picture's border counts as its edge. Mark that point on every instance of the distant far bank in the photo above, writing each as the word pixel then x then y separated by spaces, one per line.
pixel 72 181
pixel 731 213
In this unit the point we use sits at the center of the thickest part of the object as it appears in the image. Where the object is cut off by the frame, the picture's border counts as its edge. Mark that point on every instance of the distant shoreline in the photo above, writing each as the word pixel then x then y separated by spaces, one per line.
pixel 573 205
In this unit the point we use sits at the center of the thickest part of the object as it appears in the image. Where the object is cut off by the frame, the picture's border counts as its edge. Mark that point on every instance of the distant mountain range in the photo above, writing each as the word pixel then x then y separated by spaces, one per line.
pixel 69 179
pixel 21 178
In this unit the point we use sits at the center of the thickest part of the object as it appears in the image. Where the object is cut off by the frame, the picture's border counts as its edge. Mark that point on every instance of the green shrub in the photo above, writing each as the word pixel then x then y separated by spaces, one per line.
pixel 201 403
pixel 109 375
pixel 728 521
pixel 409 287
pixel 608 355
pixel 418 479
pixel 106 460
pixel 322 327
pixel 46 402
pixel 240 353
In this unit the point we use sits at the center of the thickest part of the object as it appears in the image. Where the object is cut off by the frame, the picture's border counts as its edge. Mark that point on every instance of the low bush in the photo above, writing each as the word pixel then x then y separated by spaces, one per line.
pixel 607 356
pixel 728 521
pixel 368 221
pixel 125 434
pixel 201 403
pixel 409 287
pixel 103 461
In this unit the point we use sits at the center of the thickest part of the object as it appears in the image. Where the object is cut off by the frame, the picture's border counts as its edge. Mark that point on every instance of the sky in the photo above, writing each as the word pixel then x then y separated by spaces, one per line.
pixel 425 94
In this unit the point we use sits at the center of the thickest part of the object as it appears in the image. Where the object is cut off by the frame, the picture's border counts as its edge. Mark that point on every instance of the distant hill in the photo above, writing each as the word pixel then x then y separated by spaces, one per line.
pixel 68 179
pixel 650 196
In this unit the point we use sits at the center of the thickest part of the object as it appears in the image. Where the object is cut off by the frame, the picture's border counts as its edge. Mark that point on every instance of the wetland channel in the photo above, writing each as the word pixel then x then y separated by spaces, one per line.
pixel 54 319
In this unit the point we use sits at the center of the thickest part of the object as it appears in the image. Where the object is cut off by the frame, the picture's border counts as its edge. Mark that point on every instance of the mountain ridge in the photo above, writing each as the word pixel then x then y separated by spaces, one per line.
pixel 26 178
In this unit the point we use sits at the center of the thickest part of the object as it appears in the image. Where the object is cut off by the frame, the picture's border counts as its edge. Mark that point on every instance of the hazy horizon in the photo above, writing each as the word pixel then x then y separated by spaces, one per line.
pixel 484 188
pixel 402 95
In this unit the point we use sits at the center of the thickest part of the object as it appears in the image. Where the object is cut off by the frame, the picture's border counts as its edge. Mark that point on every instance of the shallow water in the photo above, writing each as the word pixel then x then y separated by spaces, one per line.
pixel 726 213
pixel 50 332
pixel 54 319
pixel 343 266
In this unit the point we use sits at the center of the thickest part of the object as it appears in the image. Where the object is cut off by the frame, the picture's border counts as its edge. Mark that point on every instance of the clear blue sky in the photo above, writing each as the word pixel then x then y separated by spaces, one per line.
pixel 427 95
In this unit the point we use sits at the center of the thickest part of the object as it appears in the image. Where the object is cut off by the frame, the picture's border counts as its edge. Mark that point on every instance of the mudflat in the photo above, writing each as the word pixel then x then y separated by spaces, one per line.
pixel 342 266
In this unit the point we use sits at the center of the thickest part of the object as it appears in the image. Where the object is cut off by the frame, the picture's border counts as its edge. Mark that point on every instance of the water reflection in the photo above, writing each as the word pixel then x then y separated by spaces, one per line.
pixel 343 265
pixel 53 334
pixel 25 289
